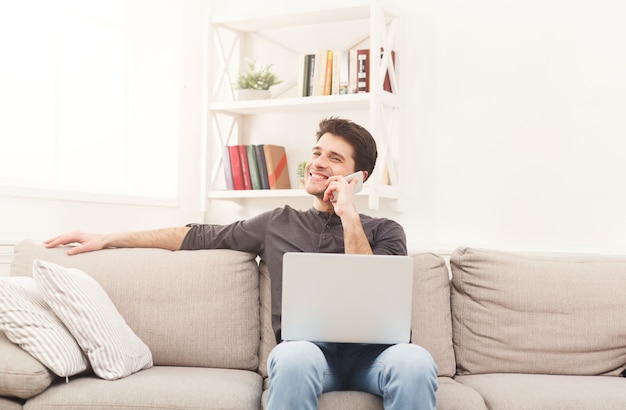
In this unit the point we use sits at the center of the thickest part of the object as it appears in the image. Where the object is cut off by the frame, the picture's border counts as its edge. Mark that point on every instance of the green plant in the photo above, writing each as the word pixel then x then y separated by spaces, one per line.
pixel 256 77
pixel 301 169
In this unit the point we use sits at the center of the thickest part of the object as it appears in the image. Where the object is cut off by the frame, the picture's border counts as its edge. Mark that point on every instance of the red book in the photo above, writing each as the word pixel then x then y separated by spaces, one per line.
pixel 245 168
pixel 392 66
pixel 276 163
pixel 235 166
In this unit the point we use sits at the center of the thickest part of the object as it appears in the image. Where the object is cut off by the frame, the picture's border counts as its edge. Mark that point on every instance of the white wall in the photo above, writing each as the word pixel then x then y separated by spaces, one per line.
pixel 515 121
pixel 43 214
pixel 519 140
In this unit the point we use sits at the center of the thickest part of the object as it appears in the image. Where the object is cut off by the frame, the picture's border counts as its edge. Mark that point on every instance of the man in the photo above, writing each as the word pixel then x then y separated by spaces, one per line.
pixel 404 375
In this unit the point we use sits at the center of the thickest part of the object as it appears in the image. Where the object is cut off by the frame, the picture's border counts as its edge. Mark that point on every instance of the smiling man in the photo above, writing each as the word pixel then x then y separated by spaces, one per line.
pixel 404 375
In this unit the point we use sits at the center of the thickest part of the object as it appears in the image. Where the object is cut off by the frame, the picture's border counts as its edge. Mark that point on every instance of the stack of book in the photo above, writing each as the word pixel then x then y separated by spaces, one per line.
pixel 261 166
pixel 330 72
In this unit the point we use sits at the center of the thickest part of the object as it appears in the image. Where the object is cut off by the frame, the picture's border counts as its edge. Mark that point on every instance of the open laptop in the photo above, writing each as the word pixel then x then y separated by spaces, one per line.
pixel 329 297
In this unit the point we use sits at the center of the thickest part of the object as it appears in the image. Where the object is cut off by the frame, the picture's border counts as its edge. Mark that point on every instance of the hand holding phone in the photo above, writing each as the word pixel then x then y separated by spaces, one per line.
pixel 359 177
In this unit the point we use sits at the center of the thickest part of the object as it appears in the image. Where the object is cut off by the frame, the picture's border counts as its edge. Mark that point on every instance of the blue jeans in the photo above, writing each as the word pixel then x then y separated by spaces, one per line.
pixel 404 375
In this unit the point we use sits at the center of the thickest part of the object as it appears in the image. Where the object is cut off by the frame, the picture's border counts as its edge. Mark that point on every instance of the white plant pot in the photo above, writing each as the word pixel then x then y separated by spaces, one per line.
pixel 249 94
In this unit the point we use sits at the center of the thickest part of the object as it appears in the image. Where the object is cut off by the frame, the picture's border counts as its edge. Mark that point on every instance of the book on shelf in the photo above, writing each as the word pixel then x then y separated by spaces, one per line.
pixel 333 72
pixel 228 171
pixel 319 74
pixel 362 70
pixel 260 160
pixel 311 74
pixel 245 168
pixel 276 164
pixel 255 177
pixel 248 167
pixel 235 166
pixel 328 77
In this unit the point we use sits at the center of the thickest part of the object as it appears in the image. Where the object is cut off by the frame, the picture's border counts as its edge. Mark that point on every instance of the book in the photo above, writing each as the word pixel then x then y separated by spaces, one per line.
pixel 245 169
pixel 337 61
pixel 352 71
pixel 255 178
pixel 301 75
pixel 328 77
pixel 359 71
pixel 306 75
pixel 391 66
pixel 235 166
pixel 363 69
pixel 276 164
pixel 260 161
pixel 319 76
pixel 228 172
pixel 311 73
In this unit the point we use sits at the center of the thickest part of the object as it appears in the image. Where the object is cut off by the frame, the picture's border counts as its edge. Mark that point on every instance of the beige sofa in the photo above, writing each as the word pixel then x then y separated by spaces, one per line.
pixel 509 331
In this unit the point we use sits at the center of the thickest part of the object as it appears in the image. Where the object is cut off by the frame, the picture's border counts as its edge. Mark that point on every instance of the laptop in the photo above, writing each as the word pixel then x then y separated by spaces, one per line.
pixel 330 297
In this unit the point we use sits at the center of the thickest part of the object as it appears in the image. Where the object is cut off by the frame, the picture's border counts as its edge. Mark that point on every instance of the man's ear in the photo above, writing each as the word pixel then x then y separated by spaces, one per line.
pixel 365 175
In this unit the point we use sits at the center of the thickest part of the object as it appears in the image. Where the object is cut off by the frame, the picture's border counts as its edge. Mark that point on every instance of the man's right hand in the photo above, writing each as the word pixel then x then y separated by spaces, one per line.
pixel 87 242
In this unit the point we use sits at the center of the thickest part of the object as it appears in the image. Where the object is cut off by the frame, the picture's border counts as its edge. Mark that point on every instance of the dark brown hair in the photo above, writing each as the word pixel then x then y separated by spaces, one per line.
pixel 362 142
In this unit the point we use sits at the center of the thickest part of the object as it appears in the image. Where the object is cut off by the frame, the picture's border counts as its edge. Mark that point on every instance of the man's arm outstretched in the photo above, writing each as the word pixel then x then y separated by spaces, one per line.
pixel 166 238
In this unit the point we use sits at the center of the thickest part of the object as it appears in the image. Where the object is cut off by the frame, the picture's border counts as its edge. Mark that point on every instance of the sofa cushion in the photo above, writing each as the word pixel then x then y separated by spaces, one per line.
pixel 528 313
pixel 191 308
pixel 113 349
pixel 21 375
pixel 547 392
pixel 27 320
pixel 451 395
pixel 431 323
pixel 10 404
pixel 160 387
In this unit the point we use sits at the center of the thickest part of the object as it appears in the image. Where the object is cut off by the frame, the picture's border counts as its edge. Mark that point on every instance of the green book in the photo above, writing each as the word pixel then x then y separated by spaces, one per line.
pixel 255 178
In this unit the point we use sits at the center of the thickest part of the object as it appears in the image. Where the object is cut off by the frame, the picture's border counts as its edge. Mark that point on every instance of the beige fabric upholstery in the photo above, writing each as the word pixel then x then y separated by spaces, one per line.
pixel 453 395
pixel 10 404
pixel 546 314
pixel 21 375
pixel 548 392
pixel 192 308
pixel 431 325
pixel 161 387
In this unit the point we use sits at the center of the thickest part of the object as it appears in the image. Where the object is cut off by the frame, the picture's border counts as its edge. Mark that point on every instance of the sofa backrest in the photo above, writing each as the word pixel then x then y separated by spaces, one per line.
pixel 546 314
pixel 192 308
pixel 431 323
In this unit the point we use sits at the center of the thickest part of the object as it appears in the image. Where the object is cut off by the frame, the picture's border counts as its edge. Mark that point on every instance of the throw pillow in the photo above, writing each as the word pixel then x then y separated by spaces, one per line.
pixel 21 375
pixel 27 320
pixel 113 349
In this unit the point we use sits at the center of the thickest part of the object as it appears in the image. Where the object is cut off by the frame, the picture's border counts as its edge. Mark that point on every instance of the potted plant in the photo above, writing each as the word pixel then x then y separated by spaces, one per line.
pixel 255 81
pixel 301 169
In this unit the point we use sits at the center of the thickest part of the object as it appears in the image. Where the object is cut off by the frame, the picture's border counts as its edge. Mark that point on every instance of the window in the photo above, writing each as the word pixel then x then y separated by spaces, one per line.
pixel 89 98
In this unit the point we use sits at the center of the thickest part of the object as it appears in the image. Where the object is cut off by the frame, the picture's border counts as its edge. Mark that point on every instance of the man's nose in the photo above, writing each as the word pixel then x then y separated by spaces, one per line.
pixel 319 162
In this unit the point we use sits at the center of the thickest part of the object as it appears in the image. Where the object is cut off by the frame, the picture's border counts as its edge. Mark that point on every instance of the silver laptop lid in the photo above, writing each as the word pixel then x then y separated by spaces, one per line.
pixel 347 298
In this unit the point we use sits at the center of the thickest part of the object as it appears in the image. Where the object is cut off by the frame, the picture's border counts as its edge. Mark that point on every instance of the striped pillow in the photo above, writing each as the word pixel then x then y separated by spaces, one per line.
pixel 113 349
pixel 27 321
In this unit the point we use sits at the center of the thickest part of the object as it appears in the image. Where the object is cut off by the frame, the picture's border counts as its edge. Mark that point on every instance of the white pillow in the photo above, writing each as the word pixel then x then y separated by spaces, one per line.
pixel 113 349
pixel 27 321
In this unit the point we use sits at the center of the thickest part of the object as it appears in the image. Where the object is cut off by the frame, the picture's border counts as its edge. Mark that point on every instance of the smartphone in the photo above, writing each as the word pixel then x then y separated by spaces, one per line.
pixel 359 176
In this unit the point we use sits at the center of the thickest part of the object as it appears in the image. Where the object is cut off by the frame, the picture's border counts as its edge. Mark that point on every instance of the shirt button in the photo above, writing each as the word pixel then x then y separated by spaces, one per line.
pixel 328 227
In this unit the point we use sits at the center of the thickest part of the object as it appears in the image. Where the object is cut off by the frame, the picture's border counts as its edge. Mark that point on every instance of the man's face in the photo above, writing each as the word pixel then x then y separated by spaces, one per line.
pixel 332 155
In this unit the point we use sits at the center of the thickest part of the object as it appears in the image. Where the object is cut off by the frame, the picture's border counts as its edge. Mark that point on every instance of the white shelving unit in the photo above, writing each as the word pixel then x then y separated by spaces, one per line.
pixel 282 38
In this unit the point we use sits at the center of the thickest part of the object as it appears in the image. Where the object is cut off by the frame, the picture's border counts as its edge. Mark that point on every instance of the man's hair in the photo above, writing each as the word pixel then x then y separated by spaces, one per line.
pixel 362 142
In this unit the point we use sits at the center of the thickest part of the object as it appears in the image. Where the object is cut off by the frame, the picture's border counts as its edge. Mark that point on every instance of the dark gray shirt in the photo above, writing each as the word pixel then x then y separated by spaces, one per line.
pixel 271 234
